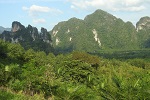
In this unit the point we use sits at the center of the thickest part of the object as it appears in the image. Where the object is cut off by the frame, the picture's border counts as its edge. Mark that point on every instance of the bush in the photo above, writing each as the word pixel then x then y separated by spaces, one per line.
pixel 138 63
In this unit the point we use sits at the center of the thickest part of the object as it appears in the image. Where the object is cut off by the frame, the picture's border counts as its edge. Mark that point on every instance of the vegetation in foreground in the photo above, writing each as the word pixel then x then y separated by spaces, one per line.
pixel 26 75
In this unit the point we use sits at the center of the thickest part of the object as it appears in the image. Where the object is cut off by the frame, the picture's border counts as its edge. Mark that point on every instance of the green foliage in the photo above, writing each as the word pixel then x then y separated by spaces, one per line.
pixel 75 71
pixel 29 55
pixel 124 54
pixel 3 47
pixel 81 56
pixel 5 95
pixel 31 75
pixel 140 63
pixel 69 91
pixel 123 82
pixel 9 95
pixel 16 51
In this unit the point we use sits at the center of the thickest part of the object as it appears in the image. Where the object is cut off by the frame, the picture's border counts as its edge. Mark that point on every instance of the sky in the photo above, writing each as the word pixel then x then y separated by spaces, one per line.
pixel 48 13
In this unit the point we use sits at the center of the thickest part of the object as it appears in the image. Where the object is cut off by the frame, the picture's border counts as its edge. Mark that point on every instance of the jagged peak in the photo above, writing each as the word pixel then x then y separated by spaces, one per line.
pixel 28 37
pixel 43 30
pixel 145 18
pixel 16 26
pixel 143 23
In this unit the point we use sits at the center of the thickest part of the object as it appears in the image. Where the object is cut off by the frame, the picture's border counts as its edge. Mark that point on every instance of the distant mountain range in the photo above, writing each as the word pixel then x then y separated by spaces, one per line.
pixel 97 31
pixel 2 29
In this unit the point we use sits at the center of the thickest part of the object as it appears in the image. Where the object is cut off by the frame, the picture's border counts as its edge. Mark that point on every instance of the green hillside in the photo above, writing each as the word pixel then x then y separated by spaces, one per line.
pixel 98 31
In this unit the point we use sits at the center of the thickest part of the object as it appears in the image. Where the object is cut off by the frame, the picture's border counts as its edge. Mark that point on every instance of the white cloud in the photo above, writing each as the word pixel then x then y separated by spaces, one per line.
pixel 39 21
pixel 140 8
pixel 131 2
pixel 35 10
pixel 112 5
pixel 25 1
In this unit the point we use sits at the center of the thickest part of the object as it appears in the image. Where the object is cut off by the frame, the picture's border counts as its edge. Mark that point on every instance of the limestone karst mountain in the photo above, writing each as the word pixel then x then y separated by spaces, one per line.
pixel 28 37
pixel 143 29
pixel 99 30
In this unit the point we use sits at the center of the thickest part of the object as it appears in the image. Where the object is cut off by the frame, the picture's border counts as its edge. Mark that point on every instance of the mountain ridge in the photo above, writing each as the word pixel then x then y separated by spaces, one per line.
pixel 97 31
pixel 107 31
pixel 3 29
pixel 29 37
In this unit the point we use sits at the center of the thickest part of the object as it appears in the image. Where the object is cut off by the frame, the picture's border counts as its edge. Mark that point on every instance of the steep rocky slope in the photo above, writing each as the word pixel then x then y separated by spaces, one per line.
pixel 143 30
pixel 28 37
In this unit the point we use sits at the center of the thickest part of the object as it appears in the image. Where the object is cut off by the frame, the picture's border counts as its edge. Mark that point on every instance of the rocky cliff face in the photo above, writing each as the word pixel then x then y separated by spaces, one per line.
pixel 16 26
pixel 143 30
pixel 143 23
pixel 28 37
pixel 33 32
pixel 45 36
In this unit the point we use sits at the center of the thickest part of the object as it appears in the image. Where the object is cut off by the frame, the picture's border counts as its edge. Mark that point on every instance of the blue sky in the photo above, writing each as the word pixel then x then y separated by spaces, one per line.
pixel 47 13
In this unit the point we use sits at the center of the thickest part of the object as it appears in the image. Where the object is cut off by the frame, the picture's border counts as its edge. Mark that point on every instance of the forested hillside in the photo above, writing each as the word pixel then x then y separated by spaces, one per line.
pixel 100 31
pixel 31 75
